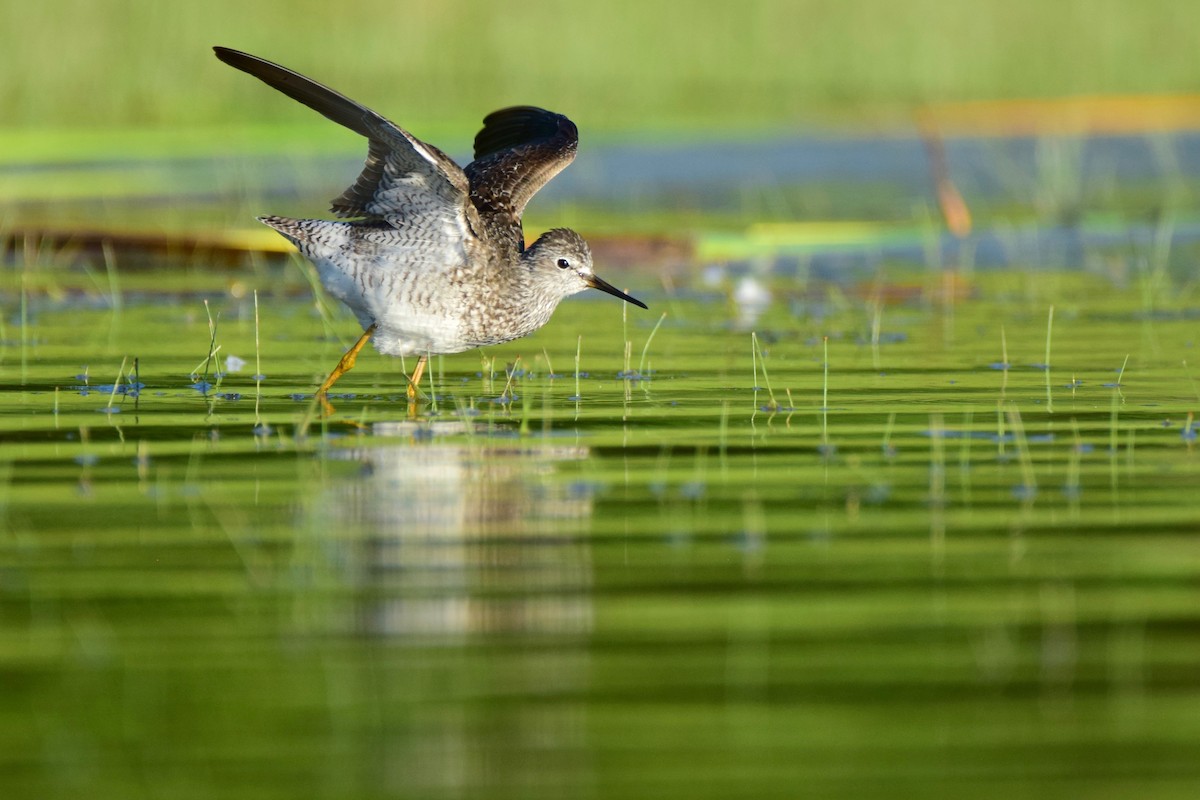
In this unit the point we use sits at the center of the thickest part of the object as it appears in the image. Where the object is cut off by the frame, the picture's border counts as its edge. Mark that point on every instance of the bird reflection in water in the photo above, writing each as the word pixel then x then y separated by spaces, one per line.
pixel 451 540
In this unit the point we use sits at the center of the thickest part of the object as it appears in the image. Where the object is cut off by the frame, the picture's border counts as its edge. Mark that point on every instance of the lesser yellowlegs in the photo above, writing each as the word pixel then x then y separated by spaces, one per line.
pixel 433 259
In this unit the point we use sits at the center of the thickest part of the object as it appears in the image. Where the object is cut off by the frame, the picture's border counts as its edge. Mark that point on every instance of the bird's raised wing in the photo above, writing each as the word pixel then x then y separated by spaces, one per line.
pixel 404 181
pixel 518 150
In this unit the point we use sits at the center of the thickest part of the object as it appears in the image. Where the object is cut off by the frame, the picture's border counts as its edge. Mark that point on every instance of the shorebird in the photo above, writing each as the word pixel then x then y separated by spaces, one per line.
pixel 431 257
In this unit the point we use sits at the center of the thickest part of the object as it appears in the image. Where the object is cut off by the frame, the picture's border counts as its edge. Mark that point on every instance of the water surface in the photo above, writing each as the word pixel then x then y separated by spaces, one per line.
pixel 913 536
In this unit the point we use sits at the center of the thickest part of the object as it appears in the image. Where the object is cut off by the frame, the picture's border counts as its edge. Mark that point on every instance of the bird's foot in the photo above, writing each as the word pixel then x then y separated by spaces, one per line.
pixel 327 409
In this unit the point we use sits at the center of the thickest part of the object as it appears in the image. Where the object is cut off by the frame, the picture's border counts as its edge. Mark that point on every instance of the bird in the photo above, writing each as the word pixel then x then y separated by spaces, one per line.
pixel 429 256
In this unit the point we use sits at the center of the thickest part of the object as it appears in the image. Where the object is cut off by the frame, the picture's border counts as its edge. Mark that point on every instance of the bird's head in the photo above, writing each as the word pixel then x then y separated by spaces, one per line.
pixel 561 263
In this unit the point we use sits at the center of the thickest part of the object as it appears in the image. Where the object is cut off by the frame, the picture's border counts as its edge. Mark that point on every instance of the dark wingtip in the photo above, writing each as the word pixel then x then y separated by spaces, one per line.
pixel 518 125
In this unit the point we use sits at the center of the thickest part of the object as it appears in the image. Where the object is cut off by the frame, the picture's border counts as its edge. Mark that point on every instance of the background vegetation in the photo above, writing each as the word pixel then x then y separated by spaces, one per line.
pixel 626 65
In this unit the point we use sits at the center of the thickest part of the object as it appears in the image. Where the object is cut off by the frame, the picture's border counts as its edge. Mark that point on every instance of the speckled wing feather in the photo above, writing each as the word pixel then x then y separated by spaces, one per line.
pixel 405 182
pixel 518 150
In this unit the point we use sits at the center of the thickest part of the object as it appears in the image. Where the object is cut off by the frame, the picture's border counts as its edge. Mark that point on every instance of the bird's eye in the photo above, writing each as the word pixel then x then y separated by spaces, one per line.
pixel 563 263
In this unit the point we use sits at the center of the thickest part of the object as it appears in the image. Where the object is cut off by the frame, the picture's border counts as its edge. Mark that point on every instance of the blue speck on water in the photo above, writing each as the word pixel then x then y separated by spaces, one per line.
pixel 827 450
pixel 1042 367
pixel 232 396
pixel 86 460
pixel 1111 385
pixel 202 386
pixel 1023 492
pixel 259 377
pixel 747 542
pixel 263 429
pixel 693 490
pixel 574 398
pixel 298 397
pixel 583 374
pixel 999 365
pixel 110 410
pixel 1188 434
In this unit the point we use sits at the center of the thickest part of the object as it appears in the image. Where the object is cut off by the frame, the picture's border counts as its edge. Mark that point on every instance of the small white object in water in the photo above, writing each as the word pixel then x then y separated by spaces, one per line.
pixel 234 364
pixel 752 299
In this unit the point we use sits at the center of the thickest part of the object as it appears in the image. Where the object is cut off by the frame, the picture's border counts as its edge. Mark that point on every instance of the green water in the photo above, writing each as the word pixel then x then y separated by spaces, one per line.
pixel 895 568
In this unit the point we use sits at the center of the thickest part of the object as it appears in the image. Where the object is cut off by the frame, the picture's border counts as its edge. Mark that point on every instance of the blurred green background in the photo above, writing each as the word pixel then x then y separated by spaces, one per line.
pixel 627 66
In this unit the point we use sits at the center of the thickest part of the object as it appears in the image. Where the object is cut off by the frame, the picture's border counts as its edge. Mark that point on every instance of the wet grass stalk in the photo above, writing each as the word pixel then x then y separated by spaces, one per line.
pixel 213 347
pixel 825 396
pixel 886 444
pixel 258 376
pixel 626 374
pixel 876 329
pixel 937 488
pixel 1024 458
pixel 646 346
pixel 25 321
pixel 487 372
pixel 433 400
pixel 1113 438
pixel 578 361
pixel 1000 429
pixel 1120 377
pixel 757 357
pixel 1049 329
pixel 112 396
pixel 511 371
pixel 1004 362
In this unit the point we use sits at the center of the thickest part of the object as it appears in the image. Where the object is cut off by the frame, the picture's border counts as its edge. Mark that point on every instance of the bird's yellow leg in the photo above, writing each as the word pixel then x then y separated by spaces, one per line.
pixel 345 365
pixel 415 381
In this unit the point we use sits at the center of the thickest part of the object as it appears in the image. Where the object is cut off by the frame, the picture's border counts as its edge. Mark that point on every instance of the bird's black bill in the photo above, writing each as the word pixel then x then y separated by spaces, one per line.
pixel 605 286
